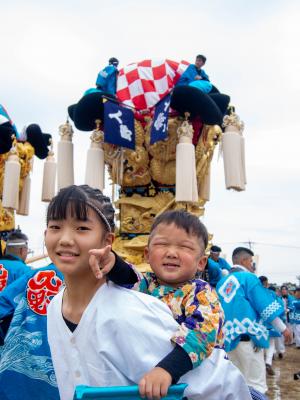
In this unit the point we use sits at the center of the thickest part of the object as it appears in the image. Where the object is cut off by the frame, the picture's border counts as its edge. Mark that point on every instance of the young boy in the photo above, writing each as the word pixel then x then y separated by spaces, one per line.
pixel 175 252
pixel 195 76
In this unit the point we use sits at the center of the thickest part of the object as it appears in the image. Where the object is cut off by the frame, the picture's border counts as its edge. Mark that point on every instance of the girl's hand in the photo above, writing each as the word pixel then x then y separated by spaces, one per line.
pixel 101 261
pixel 155 384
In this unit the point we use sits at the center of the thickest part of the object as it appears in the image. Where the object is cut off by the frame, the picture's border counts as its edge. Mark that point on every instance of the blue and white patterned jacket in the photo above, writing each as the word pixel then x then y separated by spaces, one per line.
pixel 248 307
pixel 26 369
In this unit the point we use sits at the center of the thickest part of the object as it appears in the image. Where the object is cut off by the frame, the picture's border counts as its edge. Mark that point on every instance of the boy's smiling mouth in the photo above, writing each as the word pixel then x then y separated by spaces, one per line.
pixel 171 265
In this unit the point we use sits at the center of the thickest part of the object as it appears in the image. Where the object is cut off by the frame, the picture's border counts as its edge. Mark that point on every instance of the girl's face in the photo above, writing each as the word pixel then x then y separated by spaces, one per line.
pixel 174 255
pixel 68 242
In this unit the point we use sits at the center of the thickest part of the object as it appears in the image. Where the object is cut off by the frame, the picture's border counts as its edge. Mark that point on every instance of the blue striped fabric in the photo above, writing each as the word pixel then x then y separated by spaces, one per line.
pixel 256 395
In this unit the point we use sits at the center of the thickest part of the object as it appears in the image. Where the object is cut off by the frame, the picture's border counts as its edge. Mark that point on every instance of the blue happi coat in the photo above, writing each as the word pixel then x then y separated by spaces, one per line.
pixel 248 306
pixel 189 75
pixel 214 272
pixel 107 79
pixel 188 78
pixel 295 312
pixel 4 118
pixel 288 301
pixel 26 370
pixel 224 264
pixel 11 268
pixel 272 331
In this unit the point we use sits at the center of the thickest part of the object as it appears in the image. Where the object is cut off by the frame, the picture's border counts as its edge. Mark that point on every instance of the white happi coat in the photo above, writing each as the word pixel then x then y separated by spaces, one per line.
pixel 122 335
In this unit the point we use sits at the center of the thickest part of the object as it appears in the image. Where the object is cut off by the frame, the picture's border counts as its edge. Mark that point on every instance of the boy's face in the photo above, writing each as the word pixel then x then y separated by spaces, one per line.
pixel 214 255
pixel 174 255
pixel 297 294
pixel 199 63
pixel 68 242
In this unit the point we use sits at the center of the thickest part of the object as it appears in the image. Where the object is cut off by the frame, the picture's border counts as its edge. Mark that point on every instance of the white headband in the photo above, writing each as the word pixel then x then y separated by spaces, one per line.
pixel 16 244
pixel 101 215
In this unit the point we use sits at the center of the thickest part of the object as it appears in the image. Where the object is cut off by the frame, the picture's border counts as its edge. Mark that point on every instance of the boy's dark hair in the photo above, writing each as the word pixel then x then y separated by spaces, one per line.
pixel 183 220
pixel 273 288
pixel 215 249
pixel 113 61
pixel 203 58
pixel 263 278
pixel 297 289
pixel 77 200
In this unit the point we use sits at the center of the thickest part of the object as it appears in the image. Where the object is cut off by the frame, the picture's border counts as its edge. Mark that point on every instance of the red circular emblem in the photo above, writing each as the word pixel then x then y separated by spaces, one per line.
pixel 40 290
pixel 3 277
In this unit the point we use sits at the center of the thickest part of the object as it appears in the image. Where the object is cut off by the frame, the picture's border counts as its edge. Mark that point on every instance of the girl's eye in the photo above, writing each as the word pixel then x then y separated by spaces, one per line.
pixel 53 227
pixel 83 228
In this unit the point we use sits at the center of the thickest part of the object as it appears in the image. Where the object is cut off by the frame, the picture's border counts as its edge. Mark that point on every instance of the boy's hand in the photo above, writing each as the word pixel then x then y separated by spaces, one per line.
pixel 155 384
pixel 101 261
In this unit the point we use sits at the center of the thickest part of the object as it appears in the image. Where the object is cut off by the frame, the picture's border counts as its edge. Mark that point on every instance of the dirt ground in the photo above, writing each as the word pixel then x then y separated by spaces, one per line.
pixel 282 386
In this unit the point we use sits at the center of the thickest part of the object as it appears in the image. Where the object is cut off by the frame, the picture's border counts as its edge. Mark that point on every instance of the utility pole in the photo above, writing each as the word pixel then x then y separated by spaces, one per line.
pixel 250 243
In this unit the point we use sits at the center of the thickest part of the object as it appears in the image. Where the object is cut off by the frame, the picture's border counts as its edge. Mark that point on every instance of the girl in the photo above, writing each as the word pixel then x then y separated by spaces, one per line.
pixel 92 330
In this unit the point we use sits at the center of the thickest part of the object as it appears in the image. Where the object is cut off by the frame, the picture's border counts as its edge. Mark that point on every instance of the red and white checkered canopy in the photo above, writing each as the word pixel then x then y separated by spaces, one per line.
pixel 143 84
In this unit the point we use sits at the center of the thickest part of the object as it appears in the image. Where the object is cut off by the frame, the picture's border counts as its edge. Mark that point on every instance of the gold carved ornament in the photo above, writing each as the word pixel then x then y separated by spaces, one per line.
pixel 25 153
pixel 140 167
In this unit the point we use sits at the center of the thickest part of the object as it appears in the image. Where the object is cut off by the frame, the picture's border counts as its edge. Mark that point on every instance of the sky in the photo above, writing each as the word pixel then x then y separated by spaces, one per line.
pixel 53 50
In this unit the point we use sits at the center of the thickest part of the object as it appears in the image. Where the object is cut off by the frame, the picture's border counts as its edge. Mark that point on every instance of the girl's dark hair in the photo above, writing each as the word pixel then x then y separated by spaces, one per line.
pixel 77 200
pixel 183 220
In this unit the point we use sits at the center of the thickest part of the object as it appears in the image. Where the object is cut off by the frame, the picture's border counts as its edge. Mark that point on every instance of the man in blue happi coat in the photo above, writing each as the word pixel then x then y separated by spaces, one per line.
pixel 215 252
pixel 12 263
pixel 295 317
pixel 107 77
pixel 288 300
pixel 216 266
pixel 195 76
pixel 248 306
pixel 26 370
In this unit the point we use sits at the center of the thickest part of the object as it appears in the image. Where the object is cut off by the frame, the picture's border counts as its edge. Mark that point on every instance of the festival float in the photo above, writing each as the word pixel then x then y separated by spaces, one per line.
pixel 155 138
pixel 17 151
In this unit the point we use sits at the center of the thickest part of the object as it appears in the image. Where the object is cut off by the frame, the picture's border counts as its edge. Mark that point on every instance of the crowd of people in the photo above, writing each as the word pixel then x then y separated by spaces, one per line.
pixel 90 318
